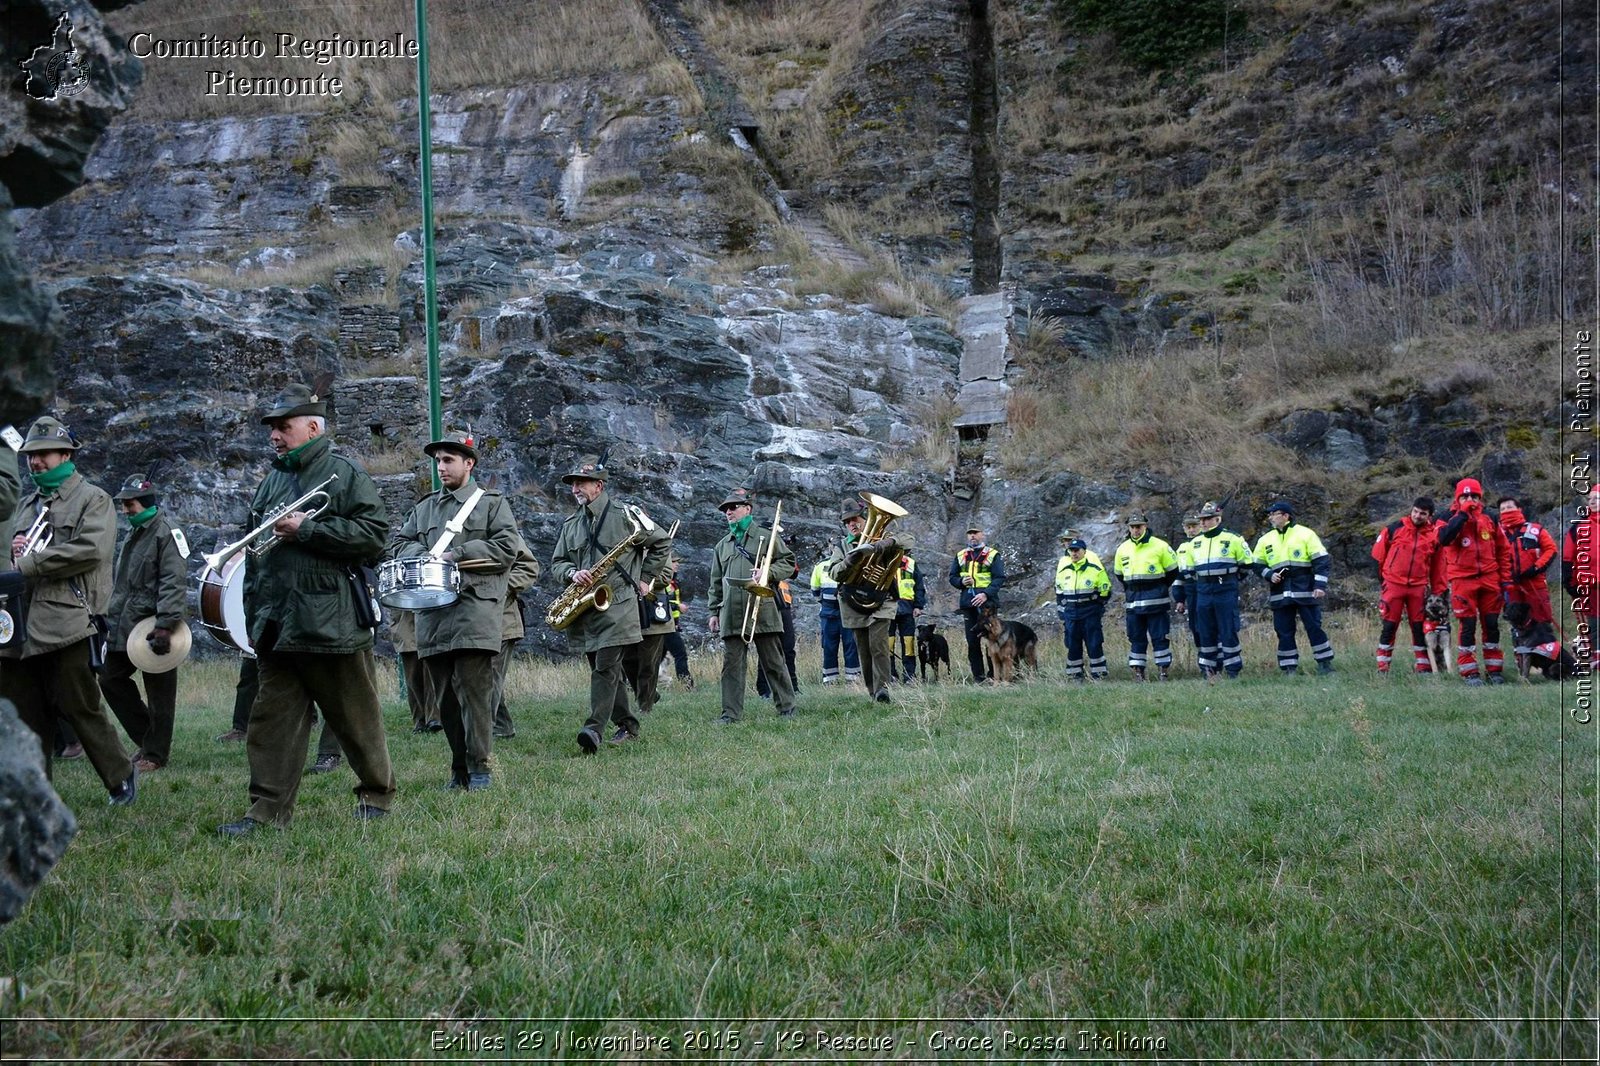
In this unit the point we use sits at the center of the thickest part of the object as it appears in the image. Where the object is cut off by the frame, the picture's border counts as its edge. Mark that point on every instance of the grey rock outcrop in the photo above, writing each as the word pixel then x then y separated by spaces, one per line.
pixel 35 826
pixel 75 84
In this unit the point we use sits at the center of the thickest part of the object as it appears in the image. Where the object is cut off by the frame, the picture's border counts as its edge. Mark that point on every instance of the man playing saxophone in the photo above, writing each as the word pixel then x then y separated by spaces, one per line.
pixel 300 603
pixel 748 555
pixel 599 603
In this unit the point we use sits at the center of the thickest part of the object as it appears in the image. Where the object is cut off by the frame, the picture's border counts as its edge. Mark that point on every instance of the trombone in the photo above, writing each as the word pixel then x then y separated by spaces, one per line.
pixel 757 588
pixel 260 540
pixel 39 534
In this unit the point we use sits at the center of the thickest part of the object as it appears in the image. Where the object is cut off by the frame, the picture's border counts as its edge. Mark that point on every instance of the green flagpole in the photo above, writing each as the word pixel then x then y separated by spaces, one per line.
pixel 430 282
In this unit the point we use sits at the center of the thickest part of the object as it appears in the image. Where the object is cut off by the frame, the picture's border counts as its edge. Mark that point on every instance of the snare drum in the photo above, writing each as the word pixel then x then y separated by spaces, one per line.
pixel 222 604
pixel 418 584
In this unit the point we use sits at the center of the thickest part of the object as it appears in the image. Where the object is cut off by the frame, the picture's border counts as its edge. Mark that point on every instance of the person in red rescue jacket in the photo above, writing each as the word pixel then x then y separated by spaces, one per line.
pixel 1407 552
pixel 1580 575
pixel 1533 549
pixel 1477 564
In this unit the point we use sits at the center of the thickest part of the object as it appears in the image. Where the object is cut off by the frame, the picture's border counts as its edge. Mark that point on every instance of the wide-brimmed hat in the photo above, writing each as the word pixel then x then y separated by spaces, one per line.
pixel 738 498
pixel 1067 534
pixel 589 468
pixel 49 435
pixel 455 441
pixel 137 487
pixel 141 655
pixel 974 529
pixel 851 509
pixel 1135 518
pixel 1210 510
pixel 294 401
pixel 1192 518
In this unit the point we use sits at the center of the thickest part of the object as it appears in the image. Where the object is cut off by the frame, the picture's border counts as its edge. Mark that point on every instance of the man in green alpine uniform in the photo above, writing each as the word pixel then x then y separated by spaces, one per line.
pixel 597 528
pixel 151 581
pixel 68 584
pixel 458 643
pixel 867 610
pixel 300 605
pixel 736 562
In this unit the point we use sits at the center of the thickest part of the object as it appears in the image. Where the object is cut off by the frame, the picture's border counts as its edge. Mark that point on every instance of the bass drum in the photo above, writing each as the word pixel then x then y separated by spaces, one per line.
pixel 418 584
pixel 222 604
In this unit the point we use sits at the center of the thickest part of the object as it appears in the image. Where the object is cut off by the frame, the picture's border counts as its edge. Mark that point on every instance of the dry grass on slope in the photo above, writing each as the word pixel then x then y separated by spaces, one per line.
pixel 471 43
pixel 1199 415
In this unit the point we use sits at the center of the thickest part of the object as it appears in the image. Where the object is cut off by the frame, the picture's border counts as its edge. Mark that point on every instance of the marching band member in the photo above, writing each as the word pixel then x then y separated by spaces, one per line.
pixel 300 605
pixel 457 643
pixel 67 566
pixel 734 562
pixel 597 528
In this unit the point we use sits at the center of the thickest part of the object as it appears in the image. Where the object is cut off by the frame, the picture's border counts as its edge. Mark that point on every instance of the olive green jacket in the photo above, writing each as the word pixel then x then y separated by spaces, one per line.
pixel 839 564
pixel 402 629
pixel 300 590
pixel 524 572
pixel 484 550
pixel 730 571
pixel 151 579
pixel 70 579
pixel 618 626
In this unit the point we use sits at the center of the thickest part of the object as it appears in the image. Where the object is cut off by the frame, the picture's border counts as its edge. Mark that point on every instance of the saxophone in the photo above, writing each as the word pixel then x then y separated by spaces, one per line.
pixel 575 600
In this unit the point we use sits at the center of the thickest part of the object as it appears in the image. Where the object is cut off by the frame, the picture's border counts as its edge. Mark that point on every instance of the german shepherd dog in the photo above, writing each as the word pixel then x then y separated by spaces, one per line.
pixel 1006 644
pixel 1436 632
pixel 1545 652
pixel 931 649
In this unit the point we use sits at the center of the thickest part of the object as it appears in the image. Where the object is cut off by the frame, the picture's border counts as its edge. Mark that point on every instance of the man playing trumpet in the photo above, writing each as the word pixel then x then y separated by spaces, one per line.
pixel 64 534
pixel 749 556
pixel 458 643
pixel 300 604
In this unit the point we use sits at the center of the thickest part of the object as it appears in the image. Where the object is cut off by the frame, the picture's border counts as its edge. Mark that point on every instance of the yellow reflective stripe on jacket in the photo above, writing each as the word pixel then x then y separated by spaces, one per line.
pixel 908 579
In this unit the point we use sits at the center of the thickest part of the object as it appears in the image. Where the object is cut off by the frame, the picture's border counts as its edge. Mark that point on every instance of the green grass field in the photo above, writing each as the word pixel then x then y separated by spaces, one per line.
pixel 1308 868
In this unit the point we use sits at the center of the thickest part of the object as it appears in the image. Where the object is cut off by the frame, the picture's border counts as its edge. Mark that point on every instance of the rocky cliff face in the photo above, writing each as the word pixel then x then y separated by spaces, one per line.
pixel 76 79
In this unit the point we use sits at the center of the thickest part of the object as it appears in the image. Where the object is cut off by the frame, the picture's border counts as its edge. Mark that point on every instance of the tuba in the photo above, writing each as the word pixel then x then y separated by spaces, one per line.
pixel 871 574
pixel 575 600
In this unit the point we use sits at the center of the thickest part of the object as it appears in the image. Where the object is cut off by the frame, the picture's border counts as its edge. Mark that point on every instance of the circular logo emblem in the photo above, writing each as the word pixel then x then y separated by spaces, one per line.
pixel 8 628
pixel 64 72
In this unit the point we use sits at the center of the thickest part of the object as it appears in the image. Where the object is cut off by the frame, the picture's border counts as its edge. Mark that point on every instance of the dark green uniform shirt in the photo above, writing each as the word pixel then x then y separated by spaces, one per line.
pixel 151 576
pixel 484 550
pixel 300 589
pixel 730 571
pixel 586 536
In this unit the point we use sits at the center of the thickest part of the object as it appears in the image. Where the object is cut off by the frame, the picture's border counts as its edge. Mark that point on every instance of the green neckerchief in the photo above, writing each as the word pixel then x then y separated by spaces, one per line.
pixel 137 520
pixel 292 458
pixel 51 480
pixel 740 529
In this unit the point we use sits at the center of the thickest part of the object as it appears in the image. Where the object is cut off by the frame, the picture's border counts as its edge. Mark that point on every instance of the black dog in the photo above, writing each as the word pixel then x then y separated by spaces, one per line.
pixel 932 648
pixel 1536 645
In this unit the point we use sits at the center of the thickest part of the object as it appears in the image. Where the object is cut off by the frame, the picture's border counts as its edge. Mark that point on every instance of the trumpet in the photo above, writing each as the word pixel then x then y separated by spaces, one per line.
pixel 260 540
pixel 39 534
pixel 757 588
